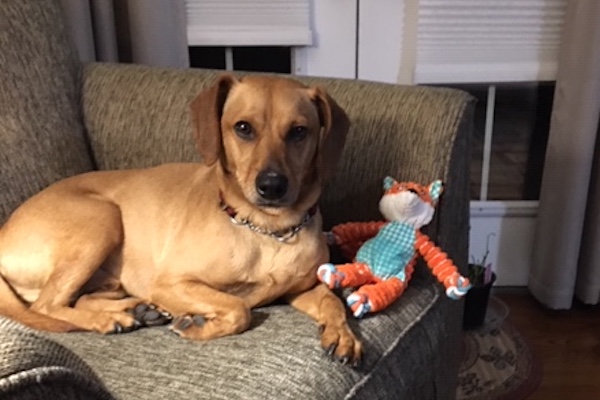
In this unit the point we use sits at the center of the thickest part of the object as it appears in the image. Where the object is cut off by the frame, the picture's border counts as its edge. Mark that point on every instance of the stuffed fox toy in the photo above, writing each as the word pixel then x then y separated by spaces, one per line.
pixel 384 263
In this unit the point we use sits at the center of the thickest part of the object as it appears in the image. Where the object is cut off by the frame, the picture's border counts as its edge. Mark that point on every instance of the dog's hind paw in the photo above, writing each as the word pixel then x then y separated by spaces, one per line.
pixel 111 322
pixel 149 315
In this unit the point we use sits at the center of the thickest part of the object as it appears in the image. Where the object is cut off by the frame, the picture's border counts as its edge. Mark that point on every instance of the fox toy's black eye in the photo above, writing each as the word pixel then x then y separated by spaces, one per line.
pixel 297 134
pixel 244 130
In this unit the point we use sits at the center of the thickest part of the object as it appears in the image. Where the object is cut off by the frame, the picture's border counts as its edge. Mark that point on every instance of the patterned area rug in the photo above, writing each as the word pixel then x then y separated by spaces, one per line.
pixel 497 362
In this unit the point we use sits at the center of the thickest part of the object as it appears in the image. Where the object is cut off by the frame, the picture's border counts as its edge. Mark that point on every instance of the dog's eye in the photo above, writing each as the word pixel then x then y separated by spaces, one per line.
pixel 244 130
pixel 297 134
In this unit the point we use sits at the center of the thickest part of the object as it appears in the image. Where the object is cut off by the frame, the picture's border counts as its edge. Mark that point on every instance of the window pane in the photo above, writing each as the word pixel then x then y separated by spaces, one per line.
pixel 521 127
pixel 520 134
pixel 262 59
pixel 207 57
pixel 256 59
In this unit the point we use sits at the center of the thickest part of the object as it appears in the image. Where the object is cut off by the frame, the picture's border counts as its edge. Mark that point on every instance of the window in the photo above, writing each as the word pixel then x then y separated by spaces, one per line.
pixel 251 58
pixel 516 146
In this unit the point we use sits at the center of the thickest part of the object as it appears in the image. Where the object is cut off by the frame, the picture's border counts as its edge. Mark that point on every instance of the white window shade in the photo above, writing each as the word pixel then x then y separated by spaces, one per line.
pixel 468 41
pixel 248 23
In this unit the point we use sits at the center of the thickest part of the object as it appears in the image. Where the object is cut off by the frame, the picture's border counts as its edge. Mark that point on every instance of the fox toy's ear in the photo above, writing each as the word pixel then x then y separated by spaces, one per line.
pixel 388 182
pixel 435 190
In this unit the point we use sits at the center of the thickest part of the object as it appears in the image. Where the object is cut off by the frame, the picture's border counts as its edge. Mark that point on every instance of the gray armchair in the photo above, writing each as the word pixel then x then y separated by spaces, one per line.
pixel 59 118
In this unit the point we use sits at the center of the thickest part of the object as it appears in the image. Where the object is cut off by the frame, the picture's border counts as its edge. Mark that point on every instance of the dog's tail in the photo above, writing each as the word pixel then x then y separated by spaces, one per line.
pixel 12 307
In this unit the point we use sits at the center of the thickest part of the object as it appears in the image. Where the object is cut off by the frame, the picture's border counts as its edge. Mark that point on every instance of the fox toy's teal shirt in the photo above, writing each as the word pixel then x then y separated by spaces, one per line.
pixel 388 253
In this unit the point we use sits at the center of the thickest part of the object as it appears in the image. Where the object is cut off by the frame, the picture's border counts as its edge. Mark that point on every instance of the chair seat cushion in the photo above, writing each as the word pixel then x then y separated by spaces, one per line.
pixel 278 357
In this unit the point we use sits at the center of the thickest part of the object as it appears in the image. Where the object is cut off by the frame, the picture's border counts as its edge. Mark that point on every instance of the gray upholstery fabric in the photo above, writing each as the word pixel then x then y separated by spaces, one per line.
pixel 138 116
pixel 41 133
pixel 278 358
pixel 33 367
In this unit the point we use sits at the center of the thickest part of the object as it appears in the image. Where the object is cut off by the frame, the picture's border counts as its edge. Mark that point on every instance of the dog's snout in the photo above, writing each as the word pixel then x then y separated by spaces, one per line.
pixel 271 185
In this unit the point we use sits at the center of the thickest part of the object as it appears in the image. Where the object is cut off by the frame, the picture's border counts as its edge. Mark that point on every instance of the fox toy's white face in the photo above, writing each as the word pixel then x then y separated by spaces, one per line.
pixel 409 202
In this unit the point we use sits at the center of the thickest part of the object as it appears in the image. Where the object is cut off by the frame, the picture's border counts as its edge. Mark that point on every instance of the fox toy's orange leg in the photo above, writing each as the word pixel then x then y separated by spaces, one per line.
pixel 345 275
pixel 442 267
pixel 375 297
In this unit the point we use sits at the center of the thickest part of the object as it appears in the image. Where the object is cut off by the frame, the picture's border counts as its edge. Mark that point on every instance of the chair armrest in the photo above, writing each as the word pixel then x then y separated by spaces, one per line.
pixel 35 367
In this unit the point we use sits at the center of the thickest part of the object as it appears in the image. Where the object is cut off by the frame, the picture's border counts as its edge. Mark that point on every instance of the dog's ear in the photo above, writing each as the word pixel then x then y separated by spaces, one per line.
pixel 335 125
pixel 207 109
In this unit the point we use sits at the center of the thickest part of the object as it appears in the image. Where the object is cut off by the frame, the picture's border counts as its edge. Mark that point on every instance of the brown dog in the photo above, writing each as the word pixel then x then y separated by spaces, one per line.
pixel 212 240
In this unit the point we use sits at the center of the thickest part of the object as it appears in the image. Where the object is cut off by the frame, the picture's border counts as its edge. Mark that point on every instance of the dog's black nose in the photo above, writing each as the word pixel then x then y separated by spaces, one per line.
pixel 271 185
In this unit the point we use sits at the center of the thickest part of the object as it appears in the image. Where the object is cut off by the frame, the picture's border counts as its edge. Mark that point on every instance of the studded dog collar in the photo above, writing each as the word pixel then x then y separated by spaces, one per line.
pixel 282 235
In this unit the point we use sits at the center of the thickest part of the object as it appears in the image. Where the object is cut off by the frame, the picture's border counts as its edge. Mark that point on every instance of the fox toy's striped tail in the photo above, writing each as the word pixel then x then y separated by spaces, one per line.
pixel 442 267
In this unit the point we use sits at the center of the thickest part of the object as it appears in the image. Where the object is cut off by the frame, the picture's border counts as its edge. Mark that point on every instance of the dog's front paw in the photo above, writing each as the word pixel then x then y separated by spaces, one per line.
pixel 184 322
pixel 341 344
pixel 196 327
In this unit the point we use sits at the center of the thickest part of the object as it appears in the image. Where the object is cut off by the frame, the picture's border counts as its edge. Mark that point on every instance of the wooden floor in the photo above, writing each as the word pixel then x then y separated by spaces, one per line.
pixel 567 342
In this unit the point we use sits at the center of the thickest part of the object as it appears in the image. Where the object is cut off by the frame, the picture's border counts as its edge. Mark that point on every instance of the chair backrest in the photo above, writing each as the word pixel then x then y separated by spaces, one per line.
pixel 41 132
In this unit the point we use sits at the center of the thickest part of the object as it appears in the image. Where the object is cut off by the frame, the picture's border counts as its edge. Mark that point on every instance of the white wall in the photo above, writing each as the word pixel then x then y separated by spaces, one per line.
pixel 333 53
pixel 510 226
